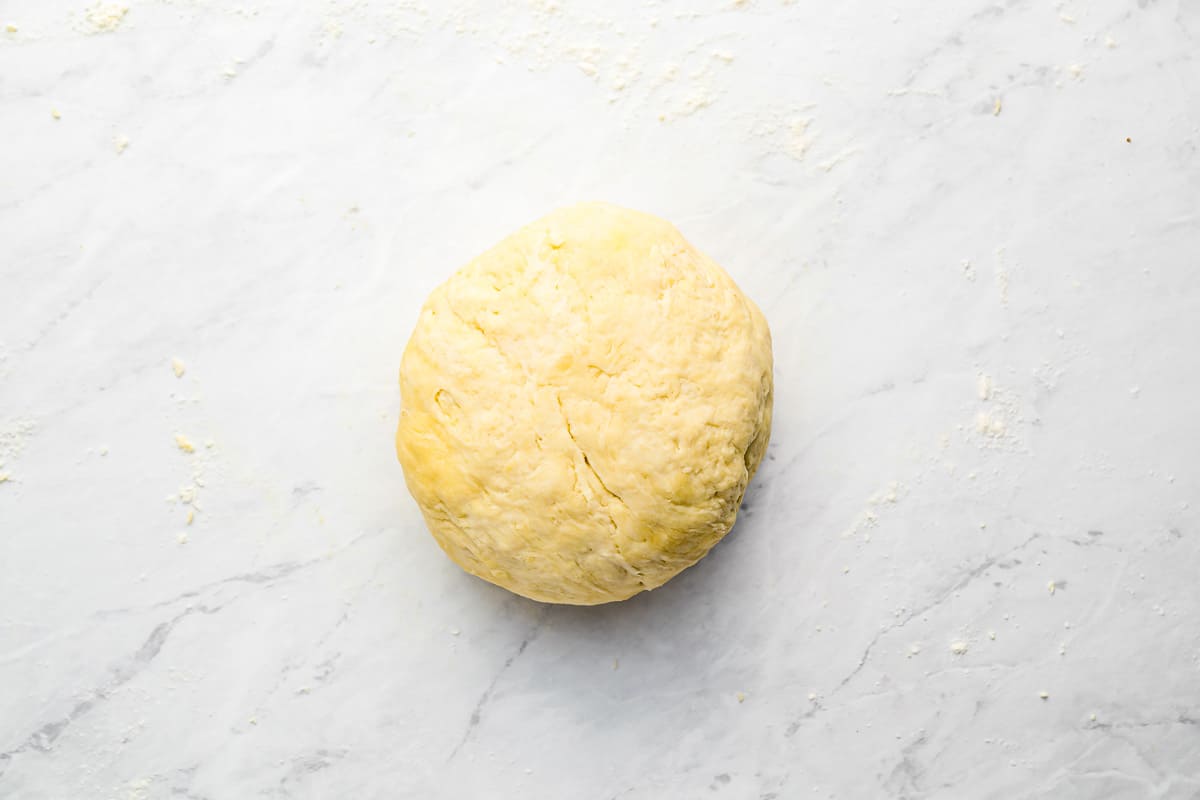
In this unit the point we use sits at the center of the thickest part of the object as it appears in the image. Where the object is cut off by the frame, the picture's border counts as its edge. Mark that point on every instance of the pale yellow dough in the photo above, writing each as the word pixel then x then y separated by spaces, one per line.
pixel 583 406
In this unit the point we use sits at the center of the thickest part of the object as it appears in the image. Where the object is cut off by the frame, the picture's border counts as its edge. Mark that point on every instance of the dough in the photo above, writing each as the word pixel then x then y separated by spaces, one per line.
pixel 583 406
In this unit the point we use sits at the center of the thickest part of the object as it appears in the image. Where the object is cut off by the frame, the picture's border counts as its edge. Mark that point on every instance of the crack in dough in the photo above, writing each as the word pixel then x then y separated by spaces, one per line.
pixel 612 520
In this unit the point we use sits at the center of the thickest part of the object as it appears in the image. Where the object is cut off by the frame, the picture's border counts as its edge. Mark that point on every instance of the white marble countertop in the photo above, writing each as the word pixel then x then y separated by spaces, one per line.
pixel 968 568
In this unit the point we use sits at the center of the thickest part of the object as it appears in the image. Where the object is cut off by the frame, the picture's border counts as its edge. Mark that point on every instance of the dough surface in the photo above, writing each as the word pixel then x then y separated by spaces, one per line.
pixel 583 406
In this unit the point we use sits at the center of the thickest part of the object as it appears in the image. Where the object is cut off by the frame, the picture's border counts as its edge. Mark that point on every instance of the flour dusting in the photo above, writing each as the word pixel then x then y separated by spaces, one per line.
pixel 105 17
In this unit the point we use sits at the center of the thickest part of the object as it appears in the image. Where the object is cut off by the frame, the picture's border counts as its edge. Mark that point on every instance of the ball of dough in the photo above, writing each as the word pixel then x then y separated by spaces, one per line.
pixel 583 406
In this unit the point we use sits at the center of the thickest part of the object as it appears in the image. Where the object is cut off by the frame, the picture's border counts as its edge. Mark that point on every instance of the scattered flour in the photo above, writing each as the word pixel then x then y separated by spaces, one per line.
pixel 866 519
pixel 984 387
pixel 997 426
pixel 838 158
pixel 786 130
pixel 199 462
pixel 990 424
pixel 888 494
pixel 105 17
pixel 1001 277
pixel 138 789
pixel 13 435
pixel 634 60
pixel 798 139
pixel 869 517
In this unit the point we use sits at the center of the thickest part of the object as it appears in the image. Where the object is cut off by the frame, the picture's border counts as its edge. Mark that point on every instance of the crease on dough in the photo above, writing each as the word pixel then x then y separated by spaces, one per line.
pixel 614 540
pixel 536 386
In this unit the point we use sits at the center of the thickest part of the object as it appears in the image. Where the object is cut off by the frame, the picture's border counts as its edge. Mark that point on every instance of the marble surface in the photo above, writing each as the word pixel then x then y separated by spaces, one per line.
pixel 967 568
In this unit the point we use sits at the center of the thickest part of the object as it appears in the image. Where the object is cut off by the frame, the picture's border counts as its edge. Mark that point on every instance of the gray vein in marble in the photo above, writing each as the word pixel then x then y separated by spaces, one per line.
pixel 906 776
pixel 266 576
pixel 327 666
pixel 485 698
pixel 940 597
pixel 67 310
pixel 302 767
pixel 45 736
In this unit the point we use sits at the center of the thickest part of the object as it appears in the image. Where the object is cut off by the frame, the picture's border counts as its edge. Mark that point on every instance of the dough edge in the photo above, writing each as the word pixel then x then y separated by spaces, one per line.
pixel 439 474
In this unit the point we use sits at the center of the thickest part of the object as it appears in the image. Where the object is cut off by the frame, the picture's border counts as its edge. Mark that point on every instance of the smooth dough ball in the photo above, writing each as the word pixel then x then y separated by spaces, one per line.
pixel 583 406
